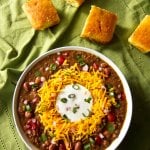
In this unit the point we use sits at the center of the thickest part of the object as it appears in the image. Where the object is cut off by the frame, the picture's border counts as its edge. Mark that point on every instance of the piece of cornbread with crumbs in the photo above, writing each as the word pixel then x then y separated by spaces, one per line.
pixel 100 25
pixel 41 13
pixel 140 38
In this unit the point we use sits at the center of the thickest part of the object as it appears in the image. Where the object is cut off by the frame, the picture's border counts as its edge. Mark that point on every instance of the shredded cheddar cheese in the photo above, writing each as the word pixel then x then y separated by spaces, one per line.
pixel 54 123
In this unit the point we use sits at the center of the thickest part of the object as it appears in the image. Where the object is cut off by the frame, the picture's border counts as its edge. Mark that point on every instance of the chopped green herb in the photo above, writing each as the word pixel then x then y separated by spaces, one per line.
pixel 34 86
pixel 90 112
pixel 71 96
pixel 65 117
pixel 43 137
pixel 111 89
pixel 110 127
pixel 91 140
pixel 109 86
pixel 76 87
pixel 53 67
pixel 75 109
pixel 84 115
pixel 64 100
pixel 52 134
pixel 82 63
pixel 80 60
pixel 87 146
pixel 37 73
pixel 118 105
pixel 28 108
pixel 88 100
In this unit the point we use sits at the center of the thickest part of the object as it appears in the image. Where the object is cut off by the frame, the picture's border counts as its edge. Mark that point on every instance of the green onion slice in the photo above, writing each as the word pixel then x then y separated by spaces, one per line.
pixel 28 108
pixel 65 117
pixel 64 100
pixel 87 146
pixel 75 109
pixel 37 73
pixel 53 67
pixel 88 100
pixel 111 94
pixel 76 87
pixel 110 127
pixel 71 96
pixel 43 137
pixel 118 105
pixel 91 140
pixel 80 60
pixel 84 115
pixel 34 86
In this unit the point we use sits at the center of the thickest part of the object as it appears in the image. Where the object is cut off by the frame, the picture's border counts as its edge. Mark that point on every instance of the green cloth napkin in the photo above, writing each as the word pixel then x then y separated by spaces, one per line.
pixel 20 44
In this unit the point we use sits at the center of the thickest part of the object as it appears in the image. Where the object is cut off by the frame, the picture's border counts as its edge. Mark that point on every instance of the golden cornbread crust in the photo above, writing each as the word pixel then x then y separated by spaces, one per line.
pixel 100 25
pixel 41 13
pixel 140 38
pixel 75 3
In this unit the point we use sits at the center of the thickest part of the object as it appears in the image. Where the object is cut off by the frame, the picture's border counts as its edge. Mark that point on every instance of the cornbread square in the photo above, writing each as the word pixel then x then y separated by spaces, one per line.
pixel 140 38
pixel 75 3
pixel 41 13
pixel 100 25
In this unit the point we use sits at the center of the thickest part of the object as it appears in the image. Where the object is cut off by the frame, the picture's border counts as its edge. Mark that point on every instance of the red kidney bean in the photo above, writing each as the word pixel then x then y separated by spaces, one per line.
pixel 107 71
pixel 42 79
pixel 35 100
pixel 105 143
pixel 65 54
pixel 106 134
pixel 28 114
pixel 37 80
pixel 52 147
pixel 95 66
pixel 98 140
pixel 103 65
pixel 78 146
pixel 114 136
pixel 26 86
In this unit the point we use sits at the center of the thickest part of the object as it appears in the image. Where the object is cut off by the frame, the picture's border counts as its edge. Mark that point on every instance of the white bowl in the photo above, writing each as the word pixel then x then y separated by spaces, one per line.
pixel 127 120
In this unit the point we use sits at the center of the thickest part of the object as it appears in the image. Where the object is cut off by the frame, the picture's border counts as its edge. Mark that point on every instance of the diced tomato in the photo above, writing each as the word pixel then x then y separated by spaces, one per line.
pixel 98 140
pixel 111 117
pixel 95 66
pixel 123 97
pixel 32 125
pixel 60 59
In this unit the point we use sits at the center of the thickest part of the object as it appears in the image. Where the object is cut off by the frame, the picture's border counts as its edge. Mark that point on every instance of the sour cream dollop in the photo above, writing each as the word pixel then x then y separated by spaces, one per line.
pixel 74 102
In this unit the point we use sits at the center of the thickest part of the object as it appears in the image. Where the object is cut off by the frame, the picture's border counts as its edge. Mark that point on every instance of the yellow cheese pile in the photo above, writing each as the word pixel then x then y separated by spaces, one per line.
pixel 61 128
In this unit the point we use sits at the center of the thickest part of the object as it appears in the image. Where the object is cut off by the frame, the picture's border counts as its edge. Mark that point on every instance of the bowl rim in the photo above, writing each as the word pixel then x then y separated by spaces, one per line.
pixel 126 88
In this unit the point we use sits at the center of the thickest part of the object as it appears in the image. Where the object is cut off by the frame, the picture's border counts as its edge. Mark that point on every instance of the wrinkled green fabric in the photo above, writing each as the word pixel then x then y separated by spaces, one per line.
pixel 20 44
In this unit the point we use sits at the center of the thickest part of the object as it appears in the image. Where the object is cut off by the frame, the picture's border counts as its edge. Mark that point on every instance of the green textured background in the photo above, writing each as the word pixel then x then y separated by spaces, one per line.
pixel 20 44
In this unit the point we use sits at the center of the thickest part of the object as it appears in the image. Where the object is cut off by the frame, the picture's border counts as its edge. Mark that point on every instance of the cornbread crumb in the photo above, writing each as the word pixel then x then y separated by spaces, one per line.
pixel 75 3
pixel 41 13
pixel 140 38
pixel 100 25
